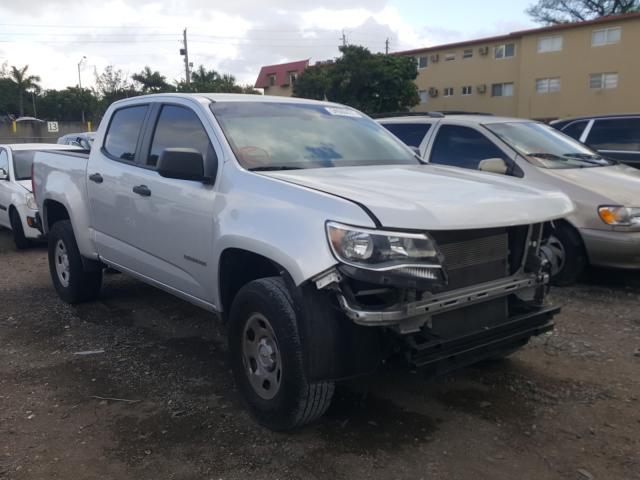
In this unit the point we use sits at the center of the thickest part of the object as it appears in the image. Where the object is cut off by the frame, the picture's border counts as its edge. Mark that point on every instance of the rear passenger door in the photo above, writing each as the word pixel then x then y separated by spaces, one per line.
pixel 465 147
pixel 617 138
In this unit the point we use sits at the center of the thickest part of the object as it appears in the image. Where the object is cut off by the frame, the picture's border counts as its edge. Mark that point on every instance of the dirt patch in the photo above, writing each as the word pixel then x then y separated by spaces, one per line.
pixel 154 397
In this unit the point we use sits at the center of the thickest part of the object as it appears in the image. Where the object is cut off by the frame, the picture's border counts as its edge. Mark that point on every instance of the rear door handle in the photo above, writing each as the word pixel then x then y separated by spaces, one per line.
pixel 96 177
pixel 142 190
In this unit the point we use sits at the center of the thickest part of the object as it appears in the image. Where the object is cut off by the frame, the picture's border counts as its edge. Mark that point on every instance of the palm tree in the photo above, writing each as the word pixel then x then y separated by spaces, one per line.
pixel 24 83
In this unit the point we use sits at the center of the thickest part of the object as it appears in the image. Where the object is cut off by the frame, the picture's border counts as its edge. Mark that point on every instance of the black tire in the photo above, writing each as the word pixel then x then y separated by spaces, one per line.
pixel 18 232
pixel 81 285
pixel 575 257
pixel 296 401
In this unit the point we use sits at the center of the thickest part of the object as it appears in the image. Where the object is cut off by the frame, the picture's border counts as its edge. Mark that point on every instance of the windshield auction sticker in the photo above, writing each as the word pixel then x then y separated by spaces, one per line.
pixel 343 112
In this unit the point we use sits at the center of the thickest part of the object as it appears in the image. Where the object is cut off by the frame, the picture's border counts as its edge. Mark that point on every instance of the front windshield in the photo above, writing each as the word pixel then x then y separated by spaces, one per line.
pixel 22 161
pixel 280 136
pixel 545 146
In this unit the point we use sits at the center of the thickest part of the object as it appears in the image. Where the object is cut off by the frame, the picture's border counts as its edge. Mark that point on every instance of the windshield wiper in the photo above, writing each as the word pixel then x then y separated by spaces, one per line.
pixel 588 157
pixel 271 168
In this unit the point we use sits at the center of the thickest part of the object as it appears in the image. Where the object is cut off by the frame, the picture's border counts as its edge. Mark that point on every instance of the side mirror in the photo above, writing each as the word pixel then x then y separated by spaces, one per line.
pixel 494 165
pixel 183 164
pixel 3 174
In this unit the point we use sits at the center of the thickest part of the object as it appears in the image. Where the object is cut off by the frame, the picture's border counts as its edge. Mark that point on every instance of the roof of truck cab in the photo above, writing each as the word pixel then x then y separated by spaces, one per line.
pixel 36 146
pixel 230 97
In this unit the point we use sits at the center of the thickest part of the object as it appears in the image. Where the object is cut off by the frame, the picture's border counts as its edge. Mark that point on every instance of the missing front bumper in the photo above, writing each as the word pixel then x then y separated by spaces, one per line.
pixel 411 316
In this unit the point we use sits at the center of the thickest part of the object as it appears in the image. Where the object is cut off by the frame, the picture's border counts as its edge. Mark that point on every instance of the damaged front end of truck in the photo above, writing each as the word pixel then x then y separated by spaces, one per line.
pixel 444 299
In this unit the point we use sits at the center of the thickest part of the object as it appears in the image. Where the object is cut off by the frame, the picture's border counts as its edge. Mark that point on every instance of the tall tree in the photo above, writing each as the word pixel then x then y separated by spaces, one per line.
pixel 553 12
pixel 68 104
pixel 24 83
pixel 152 81
pixel 210 81
pixel 113 85
pixel 373 83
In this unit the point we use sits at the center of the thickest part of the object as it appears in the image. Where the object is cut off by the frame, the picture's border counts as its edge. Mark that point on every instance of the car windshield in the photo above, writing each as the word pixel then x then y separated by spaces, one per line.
pixel 285 136
pixel 546 147
pixel 22 161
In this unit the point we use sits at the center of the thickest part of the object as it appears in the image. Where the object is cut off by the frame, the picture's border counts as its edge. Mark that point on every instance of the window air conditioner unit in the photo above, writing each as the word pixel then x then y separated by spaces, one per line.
pixel 483 50
pixel 435 57
pixel 433 92
pixel 481 88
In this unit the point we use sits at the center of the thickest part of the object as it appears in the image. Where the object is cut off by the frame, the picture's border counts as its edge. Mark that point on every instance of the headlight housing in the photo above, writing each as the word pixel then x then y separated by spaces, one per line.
pixel 408 254
pixel 31 201
pixel 616 215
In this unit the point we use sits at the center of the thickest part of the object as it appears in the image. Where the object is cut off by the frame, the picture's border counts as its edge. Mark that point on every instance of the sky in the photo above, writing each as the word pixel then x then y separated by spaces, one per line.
pixel 236 36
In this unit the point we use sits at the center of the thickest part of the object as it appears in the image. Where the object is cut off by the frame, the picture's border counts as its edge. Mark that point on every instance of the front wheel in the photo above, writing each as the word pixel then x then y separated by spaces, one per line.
pixel 569 259
pixel 71 281
pixel 266 358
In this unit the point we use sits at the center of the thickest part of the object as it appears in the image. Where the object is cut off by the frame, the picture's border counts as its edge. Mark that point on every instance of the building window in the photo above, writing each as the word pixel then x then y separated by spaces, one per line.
pixel 449 57
pixel 502 90
pixel 424 96
pixel 448 92
pixel 548 85
pixel 293 76
pixel 606 36
pixel 271 79
pixel 550 44
pixel 423 62
pixel 598 81
pixel 467 90
pixel 507 50
pixel 468 53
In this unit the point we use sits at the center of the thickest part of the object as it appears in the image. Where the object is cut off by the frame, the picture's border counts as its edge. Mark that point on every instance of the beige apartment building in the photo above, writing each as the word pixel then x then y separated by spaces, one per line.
pixel 584 68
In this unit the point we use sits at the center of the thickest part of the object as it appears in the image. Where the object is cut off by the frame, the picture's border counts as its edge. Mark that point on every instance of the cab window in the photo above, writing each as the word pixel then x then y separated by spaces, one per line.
pixel 178 127
pixel 464 147
pixel 124 130
pixel 575 129
pixel 615 134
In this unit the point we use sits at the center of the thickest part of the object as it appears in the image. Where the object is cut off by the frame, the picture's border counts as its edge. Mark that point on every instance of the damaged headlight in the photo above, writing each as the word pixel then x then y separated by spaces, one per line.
pixel 412 254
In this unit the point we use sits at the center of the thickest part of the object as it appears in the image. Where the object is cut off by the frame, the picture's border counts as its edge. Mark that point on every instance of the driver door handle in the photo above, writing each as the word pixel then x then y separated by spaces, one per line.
pixel 142 190
pixel 96 177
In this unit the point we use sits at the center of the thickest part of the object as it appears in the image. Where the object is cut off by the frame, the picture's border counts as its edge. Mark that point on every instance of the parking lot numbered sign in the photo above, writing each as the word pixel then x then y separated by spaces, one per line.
pixel 52 127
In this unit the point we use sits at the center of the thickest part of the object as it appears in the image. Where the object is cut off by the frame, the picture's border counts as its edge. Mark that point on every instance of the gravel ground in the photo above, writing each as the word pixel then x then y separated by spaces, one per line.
pixel 159 401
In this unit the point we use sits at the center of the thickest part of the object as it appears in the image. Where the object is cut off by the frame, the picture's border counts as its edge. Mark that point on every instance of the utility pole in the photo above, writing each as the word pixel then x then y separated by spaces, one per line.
pixel 80 82
pixel 386 46
pixel 185 52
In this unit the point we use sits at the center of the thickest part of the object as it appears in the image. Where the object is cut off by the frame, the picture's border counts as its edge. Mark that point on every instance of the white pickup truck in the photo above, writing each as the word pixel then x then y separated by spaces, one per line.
pixel 320 239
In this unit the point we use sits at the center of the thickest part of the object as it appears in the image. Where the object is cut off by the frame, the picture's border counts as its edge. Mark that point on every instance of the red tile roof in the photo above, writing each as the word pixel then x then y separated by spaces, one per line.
pixel 521 33
pixel 281 72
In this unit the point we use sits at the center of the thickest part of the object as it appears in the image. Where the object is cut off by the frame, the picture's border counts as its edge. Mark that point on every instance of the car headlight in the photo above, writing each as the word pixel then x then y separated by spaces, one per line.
pixel 31 201
pixel 410 254
pixel 620 216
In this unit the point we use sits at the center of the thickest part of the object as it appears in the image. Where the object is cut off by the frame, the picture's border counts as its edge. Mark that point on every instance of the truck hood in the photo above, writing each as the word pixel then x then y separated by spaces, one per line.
pixel 430 197
pixel 26 184
pixel 620 184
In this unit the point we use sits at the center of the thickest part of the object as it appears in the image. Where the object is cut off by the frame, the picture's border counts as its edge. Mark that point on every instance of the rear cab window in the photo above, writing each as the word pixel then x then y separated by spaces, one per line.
pixel 411 134
pixel 621 134
pixel 121 141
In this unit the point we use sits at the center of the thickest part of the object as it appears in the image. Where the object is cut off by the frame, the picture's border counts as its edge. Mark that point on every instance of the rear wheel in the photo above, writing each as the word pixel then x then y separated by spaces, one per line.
pixel 266 357
pixel 71 281
pixel 18 232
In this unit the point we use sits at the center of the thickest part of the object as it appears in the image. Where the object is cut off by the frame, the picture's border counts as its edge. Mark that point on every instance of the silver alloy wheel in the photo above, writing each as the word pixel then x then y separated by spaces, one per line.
pixel 556 254
pixel 261 356
pixel 62 263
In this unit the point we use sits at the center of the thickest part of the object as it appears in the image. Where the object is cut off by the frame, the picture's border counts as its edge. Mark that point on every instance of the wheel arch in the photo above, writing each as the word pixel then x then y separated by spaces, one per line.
pixel 53 211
